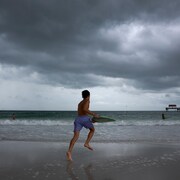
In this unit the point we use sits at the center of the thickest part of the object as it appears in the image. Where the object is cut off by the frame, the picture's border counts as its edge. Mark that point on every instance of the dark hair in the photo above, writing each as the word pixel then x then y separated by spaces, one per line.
pixel 85 94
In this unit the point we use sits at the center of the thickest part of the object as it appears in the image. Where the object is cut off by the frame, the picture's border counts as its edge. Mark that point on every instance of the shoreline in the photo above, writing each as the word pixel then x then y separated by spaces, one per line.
pixel 124 160
pixel 82 140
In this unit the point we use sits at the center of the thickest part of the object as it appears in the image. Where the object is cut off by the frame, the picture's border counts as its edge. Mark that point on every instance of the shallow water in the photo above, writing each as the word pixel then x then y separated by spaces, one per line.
pixel 58 126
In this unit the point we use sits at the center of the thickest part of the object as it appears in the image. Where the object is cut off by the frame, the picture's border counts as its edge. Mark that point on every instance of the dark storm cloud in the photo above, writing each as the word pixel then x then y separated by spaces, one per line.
pixel 66 42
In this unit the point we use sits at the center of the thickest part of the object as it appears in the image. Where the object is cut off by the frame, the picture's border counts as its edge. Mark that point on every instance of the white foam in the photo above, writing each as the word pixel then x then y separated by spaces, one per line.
pixel 36 122
pixel 148 123
pixel 70 122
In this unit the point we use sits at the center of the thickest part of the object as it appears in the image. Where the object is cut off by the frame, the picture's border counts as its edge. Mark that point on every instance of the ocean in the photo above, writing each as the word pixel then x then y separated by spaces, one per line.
pixel 57 126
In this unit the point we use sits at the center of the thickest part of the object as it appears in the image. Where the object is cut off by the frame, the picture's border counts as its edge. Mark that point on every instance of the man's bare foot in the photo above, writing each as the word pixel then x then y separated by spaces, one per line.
pixel 68 155
pixel 88 146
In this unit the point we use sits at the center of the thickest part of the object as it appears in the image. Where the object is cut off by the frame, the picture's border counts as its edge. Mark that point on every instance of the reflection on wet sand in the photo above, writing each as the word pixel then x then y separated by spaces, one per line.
pixel 70 169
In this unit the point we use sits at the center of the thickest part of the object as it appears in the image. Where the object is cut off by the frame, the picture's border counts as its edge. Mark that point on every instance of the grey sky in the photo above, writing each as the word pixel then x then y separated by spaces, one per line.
pixel 127 48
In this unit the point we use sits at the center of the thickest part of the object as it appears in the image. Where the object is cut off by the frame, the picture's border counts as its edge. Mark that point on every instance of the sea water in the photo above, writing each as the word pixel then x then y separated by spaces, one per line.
pixel 57 126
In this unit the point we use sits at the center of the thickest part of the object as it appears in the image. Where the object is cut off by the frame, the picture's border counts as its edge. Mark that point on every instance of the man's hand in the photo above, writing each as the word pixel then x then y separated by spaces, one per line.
pixel 96 116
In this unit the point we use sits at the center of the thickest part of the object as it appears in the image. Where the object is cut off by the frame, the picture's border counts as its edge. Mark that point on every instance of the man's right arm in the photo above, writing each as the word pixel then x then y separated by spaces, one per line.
pixel 86 109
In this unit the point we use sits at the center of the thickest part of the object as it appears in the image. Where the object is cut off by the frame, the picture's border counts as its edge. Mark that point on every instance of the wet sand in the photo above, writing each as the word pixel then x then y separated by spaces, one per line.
pixel 121 161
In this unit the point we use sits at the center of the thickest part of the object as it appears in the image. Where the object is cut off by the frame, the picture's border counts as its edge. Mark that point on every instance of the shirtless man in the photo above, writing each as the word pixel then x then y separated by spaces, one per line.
pixel 83 120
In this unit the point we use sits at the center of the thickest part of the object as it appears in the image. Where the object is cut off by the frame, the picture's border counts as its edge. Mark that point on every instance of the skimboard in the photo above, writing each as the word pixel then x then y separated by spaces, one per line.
pixel 102 119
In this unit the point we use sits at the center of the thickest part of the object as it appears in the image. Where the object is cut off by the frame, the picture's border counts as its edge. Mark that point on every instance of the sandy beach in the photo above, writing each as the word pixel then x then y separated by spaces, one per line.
pixel 124 161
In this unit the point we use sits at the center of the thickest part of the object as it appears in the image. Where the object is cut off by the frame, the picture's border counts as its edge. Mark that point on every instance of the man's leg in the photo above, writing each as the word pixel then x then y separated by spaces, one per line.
pixel 71 145
pixel 90 135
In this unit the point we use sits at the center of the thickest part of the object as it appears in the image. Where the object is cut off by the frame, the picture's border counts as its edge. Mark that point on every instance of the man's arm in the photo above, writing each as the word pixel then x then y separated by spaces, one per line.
pixel 86 109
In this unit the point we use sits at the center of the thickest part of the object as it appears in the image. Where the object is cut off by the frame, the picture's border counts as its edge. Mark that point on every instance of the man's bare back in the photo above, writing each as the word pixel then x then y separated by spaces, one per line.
pixel 83 107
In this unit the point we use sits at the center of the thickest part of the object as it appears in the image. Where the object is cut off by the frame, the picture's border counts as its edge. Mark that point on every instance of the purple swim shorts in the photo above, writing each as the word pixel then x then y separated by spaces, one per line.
pixel 82 121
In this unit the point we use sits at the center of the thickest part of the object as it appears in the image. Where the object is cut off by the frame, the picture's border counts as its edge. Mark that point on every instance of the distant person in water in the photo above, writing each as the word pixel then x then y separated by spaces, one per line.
pixel 82 120
pixel 163 116
pixel 13 116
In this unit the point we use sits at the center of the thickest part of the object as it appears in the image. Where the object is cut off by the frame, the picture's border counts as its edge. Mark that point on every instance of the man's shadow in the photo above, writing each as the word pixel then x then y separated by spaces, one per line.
pixel 87 169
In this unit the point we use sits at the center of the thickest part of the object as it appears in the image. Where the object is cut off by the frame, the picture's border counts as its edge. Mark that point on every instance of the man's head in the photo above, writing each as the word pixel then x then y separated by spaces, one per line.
pixel 85 94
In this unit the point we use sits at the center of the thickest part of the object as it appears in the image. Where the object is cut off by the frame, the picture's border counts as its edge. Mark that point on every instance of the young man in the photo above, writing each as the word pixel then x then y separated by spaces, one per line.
pixel 83 120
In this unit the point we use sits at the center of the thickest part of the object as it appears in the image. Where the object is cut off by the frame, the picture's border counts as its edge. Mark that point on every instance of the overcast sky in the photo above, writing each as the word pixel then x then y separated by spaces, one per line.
pixel 126 53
